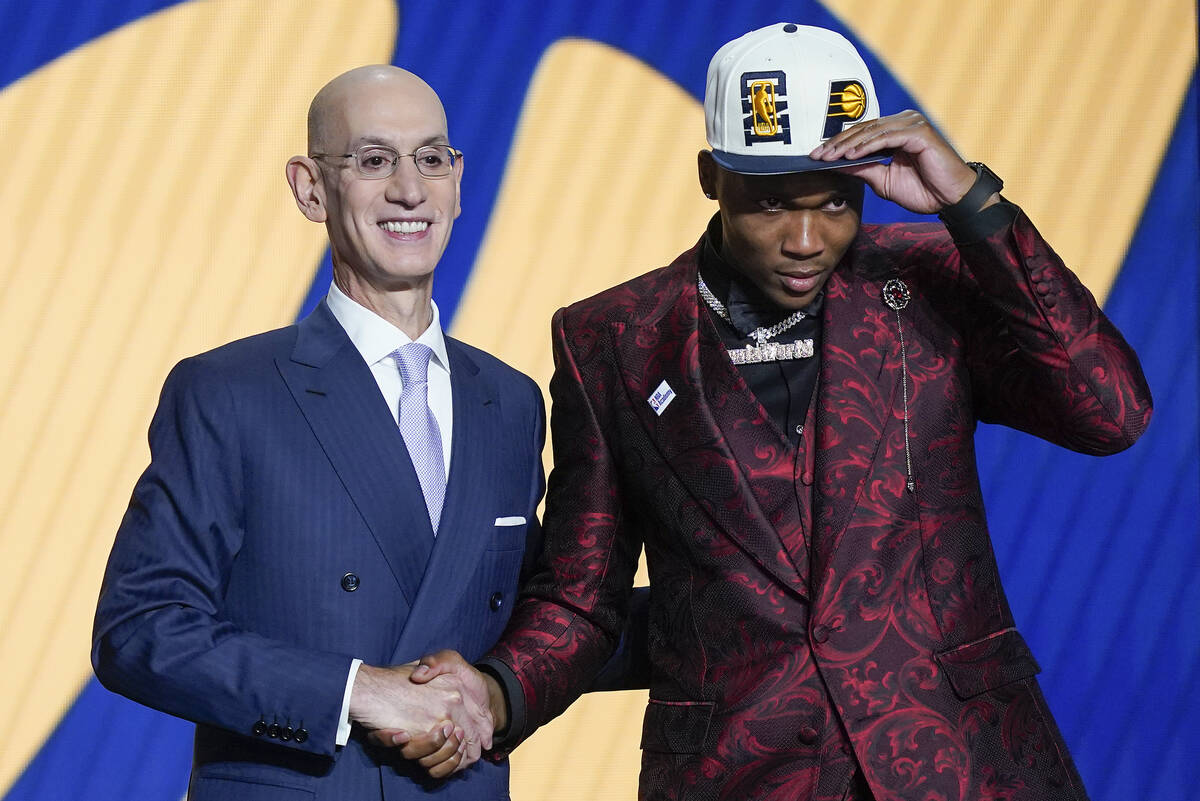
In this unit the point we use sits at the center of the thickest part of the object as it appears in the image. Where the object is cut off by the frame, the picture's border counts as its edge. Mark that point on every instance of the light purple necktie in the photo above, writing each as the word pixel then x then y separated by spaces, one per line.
pixel 419 427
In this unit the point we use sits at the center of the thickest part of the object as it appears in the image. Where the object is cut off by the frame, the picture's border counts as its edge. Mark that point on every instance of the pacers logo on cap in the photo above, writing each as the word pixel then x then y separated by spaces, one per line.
pixel 847 104
pixel 764 107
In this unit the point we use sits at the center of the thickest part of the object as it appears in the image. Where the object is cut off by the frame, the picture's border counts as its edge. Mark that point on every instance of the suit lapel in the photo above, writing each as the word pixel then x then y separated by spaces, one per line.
pixel 340 399
pixel 475 460
pixel 714 434
pixel 860 377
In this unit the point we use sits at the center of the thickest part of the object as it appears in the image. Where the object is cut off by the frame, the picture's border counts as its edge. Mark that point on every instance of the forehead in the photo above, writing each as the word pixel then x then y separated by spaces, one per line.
pixel 798 184
pixel 396 112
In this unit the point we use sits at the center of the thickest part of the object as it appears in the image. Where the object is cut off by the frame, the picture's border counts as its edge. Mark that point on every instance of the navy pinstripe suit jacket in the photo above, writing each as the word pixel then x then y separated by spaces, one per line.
pixel 276 469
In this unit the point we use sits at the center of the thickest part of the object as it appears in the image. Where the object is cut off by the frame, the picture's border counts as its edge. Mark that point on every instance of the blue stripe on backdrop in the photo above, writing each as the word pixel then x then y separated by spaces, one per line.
pixel 107 748
pixel 1099 555
pixel 676 38
pixel 46 29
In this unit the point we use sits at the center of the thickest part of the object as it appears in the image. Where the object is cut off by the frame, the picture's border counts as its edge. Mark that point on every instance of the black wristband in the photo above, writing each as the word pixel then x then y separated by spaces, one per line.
pixel 507 738
pixel 986 184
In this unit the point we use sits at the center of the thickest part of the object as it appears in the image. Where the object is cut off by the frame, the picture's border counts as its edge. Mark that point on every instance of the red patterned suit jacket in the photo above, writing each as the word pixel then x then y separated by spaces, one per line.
pixel 894 604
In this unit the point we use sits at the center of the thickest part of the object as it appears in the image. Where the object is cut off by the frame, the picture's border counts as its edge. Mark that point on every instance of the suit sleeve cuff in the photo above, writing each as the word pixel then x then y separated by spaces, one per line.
pixel 343 730
pixel 983 224
pixel 514 699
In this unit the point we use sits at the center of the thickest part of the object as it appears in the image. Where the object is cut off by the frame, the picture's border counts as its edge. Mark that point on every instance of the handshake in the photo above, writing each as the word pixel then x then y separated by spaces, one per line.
pixel 440 711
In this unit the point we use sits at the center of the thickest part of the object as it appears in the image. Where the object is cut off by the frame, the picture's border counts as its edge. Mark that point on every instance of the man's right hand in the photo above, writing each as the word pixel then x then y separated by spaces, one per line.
pixel 925 173
pixel 443 753
pixel 391 699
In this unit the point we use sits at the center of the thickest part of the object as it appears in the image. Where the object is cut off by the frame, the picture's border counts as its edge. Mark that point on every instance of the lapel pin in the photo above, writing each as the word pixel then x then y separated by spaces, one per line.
pixel 896 294
pixel 661 398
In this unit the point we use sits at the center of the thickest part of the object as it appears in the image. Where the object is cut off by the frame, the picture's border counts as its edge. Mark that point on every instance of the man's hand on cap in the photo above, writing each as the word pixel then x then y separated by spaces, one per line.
pixel 925 174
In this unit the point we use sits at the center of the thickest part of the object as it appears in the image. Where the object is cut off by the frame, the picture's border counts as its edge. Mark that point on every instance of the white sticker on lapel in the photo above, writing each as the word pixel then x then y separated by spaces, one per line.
pixel 661 398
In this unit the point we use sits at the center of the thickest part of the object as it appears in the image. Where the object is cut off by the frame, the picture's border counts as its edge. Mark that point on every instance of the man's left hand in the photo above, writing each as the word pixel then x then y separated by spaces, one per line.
pixel 442 752
pixel 925 174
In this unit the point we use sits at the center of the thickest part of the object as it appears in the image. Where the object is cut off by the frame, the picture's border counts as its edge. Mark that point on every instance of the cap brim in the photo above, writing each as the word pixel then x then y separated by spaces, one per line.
pixel 780 165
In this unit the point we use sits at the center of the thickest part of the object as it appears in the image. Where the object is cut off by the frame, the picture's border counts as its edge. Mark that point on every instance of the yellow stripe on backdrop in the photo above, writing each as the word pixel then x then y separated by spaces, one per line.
pixel 146 218
pixel 1072 102
pixel 576 214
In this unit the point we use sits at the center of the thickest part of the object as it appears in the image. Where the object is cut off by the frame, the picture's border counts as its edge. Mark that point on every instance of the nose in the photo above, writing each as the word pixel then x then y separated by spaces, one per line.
pixel 804 237
pixel 406 186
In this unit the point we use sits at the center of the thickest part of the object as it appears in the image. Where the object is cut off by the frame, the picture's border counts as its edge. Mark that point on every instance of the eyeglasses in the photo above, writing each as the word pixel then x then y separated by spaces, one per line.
pixel 379 161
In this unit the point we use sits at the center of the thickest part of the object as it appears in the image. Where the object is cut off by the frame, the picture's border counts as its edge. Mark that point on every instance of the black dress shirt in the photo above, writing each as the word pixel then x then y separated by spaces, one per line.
pixel 784 388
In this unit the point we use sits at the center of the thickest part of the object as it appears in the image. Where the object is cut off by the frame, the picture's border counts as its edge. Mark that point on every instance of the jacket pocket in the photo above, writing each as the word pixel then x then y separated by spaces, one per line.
pixel 508 538
pixel 676 727
pixel 222 788
pixel 988 663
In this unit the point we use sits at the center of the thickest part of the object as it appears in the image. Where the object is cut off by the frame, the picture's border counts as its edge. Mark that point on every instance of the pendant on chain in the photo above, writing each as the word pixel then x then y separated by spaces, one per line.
pixel 772 352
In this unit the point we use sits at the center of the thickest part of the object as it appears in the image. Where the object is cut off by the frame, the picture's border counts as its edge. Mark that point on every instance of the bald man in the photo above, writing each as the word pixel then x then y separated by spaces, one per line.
pixel 328 501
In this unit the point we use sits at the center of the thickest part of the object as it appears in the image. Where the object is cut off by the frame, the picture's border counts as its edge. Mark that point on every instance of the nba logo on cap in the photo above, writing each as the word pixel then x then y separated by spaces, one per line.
pixel 764 102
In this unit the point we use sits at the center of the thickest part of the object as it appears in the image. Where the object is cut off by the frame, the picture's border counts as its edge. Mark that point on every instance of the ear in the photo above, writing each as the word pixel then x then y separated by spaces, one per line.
pixel 459 165
pixel 707 170
pixel 304 176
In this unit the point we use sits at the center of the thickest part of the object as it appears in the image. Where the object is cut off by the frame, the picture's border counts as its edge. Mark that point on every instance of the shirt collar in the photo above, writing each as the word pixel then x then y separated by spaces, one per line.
pixel 376 338
pixel 747 306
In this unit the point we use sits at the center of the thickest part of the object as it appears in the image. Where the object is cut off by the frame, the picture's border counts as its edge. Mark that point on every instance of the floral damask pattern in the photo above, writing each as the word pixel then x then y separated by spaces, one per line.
pixel 788 647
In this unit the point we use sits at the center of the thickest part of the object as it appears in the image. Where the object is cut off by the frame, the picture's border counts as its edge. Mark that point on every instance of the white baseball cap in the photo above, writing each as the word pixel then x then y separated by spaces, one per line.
pixel 776 93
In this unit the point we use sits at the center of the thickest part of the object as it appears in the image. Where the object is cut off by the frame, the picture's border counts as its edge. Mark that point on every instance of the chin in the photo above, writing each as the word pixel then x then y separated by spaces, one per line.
pixel 794 302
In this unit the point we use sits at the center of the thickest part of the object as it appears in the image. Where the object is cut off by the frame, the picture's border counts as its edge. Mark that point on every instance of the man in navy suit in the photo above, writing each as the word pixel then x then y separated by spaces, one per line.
pixel 328 501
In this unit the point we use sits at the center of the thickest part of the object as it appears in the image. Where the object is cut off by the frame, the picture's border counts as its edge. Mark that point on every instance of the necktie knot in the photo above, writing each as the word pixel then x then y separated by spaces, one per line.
pixel 413 361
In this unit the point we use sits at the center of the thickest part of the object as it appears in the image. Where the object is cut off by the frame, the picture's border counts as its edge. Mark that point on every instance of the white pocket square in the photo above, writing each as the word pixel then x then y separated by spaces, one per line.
pixel 510 521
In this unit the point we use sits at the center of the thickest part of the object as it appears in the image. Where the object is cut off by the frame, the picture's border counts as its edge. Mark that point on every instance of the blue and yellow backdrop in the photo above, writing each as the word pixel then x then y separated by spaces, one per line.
pixel 144 217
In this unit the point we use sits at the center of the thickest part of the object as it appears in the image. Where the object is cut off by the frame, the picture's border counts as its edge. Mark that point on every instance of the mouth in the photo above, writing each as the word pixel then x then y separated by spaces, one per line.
pixel 404 229
pixel 801 283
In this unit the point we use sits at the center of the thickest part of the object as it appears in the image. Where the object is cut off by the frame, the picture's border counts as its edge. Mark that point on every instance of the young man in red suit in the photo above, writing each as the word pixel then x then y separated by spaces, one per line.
pixel 783 418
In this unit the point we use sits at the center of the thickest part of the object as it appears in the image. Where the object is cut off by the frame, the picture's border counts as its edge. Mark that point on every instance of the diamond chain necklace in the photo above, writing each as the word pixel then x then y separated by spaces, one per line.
pixel 762 351
pixel 759 335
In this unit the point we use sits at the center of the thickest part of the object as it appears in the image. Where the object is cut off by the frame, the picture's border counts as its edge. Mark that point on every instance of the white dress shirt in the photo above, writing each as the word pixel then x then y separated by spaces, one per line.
pixel 376 339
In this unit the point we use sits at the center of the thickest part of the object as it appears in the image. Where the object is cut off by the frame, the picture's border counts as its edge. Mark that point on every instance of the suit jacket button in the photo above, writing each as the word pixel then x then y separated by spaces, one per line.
pixel 350 582
pixel 273 731
pixel 286 734
pixel 260 728
pixel 808 735
pixel 496 601
pixel 820 633
pixel 301 735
